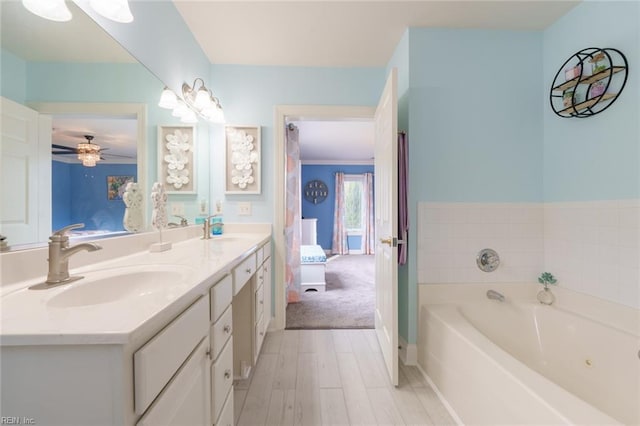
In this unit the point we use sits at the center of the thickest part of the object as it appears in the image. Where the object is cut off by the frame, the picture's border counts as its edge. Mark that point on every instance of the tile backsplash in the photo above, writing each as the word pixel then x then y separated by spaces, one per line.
pixel 591 247
pixel 450 235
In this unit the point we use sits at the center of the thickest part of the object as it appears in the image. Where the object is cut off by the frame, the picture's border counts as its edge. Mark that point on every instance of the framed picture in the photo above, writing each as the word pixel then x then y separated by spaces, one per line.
pixel 243 153
pixel 116 186
pixel 176 155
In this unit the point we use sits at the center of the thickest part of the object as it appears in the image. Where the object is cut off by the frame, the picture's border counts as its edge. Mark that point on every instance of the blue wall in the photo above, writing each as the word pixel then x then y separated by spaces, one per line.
pixel 597 158
pixel 13 78
pixel 86 198
pixel 474 122
pixel 324 211
pixel 252 92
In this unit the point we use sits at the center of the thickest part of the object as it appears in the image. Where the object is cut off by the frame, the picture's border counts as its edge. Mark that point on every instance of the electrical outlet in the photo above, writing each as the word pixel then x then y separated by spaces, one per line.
pixel 177 209
pixel 244 208
pixel 203 206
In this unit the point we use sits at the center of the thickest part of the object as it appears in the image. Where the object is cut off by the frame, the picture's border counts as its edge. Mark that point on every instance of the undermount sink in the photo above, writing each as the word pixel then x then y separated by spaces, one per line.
pixel 110 285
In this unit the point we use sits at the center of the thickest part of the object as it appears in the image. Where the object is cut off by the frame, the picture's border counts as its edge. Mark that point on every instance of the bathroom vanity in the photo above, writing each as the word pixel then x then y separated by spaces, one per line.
pixel 144 339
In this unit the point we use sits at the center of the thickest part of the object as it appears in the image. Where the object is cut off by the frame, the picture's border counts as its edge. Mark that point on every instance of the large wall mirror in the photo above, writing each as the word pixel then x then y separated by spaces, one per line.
pixel 84 87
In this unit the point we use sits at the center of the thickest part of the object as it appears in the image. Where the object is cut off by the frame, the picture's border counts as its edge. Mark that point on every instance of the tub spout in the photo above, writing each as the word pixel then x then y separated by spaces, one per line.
pixel 492 294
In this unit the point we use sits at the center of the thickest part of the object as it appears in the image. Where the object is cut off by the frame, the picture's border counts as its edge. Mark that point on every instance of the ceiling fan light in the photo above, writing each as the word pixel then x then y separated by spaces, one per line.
pixel 168 99
pixel 116 10
pixel 53 10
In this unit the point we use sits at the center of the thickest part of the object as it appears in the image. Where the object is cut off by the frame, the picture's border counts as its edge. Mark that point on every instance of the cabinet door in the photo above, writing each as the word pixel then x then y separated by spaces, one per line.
pixel 187 398
pixel 266 289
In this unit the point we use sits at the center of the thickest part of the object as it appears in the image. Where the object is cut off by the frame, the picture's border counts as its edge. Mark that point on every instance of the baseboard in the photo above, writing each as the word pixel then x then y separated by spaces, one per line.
pixel 408 353
pixel 441 397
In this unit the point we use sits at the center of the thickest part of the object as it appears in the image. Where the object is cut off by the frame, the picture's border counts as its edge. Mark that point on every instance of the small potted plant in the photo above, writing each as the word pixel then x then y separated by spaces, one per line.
pixel 545 296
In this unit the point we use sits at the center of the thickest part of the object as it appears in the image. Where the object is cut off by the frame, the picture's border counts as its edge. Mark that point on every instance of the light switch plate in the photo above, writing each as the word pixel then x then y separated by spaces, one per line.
pixel 244 208
pixel 177 209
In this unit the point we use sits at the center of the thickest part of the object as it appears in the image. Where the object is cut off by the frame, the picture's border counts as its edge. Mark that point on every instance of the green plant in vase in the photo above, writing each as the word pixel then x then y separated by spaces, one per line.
pixel 545 296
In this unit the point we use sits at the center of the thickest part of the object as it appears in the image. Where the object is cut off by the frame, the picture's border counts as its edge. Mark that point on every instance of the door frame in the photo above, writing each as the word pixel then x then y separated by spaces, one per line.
pixel 282 113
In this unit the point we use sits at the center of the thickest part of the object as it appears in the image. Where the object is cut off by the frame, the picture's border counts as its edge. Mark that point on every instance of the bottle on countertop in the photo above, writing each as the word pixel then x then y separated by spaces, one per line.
pixel 217 224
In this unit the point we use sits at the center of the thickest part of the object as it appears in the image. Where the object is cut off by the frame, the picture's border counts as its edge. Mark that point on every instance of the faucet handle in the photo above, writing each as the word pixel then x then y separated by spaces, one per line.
pixel 183 220
pixel 61 234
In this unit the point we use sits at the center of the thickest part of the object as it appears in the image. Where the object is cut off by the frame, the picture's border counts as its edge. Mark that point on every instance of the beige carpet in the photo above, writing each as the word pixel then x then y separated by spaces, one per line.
pixel 349 299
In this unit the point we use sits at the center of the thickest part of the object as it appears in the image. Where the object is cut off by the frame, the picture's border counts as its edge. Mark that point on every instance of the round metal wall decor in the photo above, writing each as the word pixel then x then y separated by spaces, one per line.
pixel 588 82
pixel 315 191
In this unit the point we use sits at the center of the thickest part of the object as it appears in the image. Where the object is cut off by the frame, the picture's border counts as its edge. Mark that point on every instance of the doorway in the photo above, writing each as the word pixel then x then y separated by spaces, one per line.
pixel 335 200
pixel 284 115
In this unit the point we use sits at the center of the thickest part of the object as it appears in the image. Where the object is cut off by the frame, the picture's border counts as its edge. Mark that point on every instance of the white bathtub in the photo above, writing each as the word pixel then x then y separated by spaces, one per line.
pixel 519 362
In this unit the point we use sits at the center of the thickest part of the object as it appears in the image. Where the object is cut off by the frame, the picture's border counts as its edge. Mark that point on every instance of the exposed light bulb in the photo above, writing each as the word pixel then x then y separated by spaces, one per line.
pixel 54 10
pixel 116 10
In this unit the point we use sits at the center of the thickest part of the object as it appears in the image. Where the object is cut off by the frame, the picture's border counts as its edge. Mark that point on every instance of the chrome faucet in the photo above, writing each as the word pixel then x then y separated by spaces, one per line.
pixel 206 227
pixel 183 222
pixel 59 253
pixel 492 294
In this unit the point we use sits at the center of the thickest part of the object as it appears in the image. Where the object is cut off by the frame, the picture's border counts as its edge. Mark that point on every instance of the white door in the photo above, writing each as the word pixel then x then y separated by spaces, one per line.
pixel 25 174
pixel 386 219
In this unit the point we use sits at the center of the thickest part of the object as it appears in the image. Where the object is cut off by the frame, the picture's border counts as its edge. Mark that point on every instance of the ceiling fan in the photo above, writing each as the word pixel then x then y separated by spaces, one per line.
pixel 88 152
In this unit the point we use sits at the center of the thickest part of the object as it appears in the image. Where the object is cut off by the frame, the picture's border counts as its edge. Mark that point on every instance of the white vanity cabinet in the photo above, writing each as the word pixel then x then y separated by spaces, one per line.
pixel 252 311
pixel 221 366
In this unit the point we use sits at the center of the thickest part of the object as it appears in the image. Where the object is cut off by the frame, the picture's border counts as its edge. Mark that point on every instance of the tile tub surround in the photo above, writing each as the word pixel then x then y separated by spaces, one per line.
pixel 450 235
pixel 591 247
pixel 594 248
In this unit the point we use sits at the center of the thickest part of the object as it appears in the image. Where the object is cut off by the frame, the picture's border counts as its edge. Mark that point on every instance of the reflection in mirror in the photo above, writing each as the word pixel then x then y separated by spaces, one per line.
pixel 70 80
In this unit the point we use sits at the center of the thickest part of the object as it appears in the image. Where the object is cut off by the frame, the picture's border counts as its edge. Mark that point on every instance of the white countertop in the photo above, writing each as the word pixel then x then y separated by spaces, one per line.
pixel 29 318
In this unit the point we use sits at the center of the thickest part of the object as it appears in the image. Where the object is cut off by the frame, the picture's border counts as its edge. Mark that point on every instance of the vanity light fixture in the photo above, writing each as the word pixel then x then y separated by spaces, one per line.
pixel 56 10
pixel 195 101
pixel 88 153
pixel 53 10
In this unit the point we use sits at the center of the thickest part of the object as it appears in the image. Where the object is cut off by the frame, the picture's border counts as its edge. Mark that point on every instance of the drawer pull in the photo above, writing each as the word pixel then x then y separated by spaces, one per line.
pixel 262 333
pixel 227 329
pixel 262 302
pixel 209 352
pixel 227 374
pixel 259 276
pixel 248 270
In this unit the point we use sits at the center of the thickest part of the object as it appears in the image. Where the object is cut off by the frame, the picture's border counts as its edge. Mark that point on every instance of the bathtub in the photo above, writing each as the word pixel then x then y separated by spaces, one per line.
pixel 519 362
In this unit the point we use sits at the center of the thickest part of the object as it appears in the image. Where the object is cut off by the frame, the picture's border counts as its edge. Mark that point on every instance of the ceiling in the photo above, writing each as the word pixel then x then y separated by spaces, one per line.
pixel 343 33
pixel 333 33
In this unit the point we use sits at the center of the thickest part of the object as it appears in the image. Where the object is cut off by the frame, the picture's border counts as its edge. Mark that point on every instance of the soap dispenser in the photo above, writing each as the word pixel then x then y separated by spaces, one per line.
pixel 217 224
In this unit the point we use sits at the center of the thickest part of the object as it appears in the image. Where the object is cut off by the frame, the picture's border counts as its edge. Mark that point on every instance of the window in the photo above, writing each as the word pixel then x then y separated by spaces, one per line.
pixel 354 203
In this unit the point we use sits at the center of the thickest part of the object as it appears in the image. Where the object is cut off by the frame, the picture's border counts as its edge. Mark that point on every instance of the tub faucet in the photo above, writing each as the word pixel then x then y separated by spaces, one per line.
pixel 492 294
pixel 59 253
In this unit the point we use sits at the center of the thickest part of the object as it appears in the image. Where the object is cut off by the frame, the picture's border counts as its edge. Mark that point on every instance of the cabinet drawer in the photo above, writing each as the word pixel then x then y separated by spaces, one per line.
pixel 220 332
pixel 186 398
pixel 243 272
pixel 258 334
pixel 221 294
pixel 222 378
pixel 156 362
pixel 259 302
pixel 226 416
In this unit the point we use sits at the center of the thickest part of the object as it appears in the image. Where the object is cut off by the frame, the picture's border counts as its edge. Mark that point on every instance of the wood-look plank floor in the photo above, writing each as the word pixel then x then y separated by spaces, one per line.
pixel 332 377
